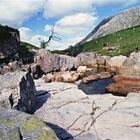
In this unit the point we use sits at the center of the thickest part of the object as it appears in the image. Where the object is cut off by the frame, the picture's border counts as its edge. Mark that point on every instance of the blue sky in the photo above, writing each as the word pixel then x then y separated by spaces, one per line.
pixel 72 20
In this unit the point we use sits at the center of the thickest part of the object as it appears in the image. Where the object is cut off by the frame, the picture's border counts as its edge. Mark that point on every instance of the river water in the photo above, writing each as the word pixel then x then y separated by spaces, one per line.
pixel 95 87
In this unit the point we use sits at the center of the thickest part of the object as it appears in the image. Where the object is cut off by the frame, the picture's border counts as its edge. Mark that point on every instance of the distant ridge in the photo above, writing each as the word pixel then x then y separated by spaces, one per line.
pixel 124 20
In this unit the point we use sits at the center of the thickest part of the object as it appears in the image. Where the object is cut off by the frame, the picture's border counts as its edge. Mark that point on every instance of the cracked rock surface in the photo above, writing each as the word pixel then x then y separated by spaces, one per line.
pixel 69 112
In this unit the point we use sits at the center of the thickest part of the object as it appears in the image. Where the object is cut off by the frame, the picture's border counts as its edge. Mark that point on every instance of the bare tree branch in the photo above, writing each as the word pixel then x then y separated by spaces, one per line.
pixel 52 36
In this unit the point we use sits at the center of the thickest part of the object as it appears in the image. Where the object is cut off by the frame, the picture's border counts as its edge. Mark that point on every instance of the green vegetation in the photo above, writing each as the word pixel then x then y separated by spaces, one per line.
pixel 37 127
pixel 120 43
pixel 28 46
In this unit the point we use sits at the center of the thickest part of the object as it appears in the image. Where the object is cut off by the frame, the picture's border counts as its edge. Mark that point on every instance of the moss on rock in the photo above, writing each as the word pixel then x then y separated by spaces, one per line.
pixel 8 130
pixel 15 125
pixel 37 129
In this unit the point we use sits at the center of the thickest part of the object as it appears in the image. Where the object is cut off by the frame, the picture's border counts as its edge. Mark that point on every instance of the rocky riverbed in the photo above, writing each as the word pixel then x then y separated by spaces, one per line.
pixel 68 110
pixel 76 116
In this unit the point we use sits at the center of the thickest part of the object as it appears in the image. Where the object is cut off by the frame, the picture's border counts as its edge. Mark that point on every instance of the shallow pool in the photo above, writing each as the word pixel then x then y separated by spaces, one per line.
pixel 95 87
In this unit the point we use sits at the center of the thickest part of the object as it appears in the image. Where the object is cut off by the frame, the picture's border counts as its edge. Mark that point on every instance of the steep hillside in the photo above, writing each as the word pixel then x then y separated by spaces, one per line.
pixel 124 20
pixel 123 42
pixel 28 45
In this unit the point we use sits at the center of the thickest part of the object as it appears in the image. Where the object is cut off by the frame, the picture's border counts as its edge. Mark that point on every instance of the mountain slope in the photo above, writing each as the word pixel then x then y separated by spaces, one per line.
pixel 124 20
pixel 28 45
pixel 119 43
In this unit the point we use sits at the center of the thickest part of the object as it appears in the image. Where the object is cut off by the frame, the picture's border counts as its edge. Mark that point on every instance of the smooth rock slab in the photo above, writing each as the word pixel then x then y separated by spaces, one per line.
pixel 65 106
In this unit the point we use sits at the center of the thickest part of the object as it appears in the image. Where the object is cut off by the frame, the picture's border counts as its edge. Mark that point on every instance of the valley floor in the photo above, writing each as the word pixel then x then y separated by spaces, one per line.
pixel 76 116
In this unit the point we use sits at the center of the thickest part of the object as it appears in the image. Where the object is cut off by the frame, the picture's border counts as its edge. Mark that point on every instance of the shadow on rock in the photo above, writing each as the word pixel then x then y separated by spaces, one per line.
pixel 41 98
pixel 60 132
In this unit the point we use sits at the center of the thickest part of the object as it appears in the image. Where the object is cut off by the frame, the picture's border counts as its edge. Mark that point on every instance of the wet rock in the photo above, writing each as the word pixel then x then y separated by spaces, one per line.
pixel 15 125
pixel 123 84
pixel 90 78
pixel 104 75
pixel 121 89
pixel 127 80
pixel 70 77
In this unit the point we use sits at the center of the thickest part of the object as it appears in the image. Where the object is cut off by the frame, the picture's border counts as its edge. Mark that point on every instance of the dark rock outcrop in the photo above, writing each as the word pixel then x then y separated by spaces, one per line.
pixel 15 125
pixel 27 93
pixel 9 41
pixel 17 91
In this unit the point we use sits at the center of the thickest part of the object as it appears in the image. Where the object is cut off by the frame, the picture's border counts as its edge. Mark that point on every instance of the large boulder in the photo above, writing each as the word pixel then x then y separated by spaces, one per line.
pixel 68 77
pixel 127 80
pixel 47 61
pixel 15 125
pixel 121 89
pixel 82 69
pixel 94 77
pixel 101 60
pixel 124 84
pixel 135 56
pixel 87 58
pixel 68 62
pixel 17 91
pixel 131 65
pixel 116 61
pixel 53 62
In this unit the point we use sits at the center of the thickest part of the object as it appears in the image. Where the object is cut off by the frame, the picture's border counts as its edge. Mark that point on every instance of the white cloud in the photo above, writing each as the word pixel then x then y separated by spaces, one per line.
pixel 27 36
pixel 115 2
pixel 14 12
pixel 64 44
pixel 74 25
pixel 75 18
pixel 60 8
pixel 48 28
pixel 72 29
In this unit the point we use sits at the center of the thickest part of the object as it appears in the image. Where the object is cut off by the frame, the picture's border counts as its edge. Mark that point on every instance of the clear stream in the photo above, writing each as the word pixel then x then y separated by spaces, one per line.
pixel 95 87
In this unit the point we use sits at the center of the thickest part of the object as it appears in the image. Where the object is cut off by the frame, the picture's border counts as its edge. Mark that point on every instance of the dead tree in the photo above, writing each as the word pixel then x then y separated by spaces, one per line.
pixel 44 44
